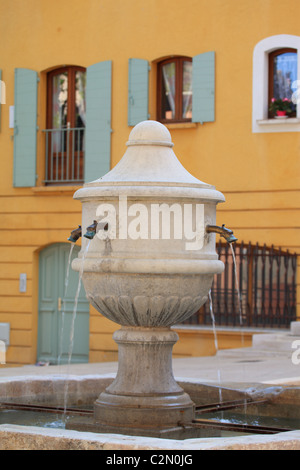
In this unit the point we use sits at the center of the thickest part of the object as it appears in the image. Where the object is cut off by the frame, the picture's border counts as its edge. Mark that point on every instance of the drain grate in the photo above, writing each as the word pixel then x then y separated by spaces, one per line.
pixel 44 408
pixel 246 428
pixel 236 427
pixel 227 405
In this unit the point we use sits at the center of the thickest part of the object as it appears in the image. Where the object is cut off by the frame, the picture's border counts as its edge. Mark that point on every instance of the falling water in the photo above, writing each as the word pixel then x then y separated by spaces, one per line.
pixel 240 307
pixel 237 284
pixel 216 341
pixel 64 303
pixel 76 302
pixel 213 317
pixel 72 330
pixel 238 292
pixel 213 320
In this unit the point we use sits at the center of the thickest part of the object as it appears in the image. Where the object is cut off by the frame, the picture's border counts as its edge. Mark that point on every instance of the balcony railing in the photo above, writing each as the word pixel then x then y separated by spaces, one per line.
pixel 64 155
pixel 262 295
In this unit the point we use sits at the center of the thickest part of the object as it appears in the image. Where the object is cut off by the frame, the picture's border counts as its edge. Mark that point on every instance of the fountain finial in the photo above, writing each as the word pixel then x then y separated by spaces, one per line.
pixel 150 133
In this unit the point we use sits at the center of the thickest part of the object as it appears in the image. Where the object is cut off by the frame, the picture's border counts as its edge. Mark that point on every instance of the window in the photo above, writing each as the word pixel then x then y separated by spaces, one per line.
pixel 174 90
pixel 185 90
pixel 66 118
pixel 282 74
pixel 275 68
pixel 77 140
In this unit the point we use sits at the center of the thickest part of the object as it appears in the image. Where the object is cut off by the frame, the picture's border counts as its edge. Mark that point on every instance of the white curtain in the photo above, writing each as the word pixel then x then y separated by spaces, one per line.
pixel 169 81
pixel 285 73
pixel 187 90
pixel 80 97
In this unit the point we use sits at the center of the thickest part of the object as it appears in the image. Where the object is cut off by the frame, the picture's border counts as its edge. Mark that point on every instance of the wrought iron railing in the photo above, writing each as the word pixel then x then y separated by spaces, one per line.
pixel 64 155
pixel 261 292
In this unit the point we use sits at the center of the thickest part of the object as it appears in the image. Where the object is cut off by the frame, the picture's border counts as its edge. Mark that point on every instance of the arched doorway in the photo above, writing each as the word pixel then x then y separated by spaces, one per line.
pixel 56 310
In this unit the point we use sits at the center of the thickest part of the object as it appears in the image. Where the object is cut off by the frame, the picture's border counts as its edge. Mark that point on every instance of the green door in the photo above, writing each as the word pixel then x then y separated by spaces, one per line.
pixel 57 312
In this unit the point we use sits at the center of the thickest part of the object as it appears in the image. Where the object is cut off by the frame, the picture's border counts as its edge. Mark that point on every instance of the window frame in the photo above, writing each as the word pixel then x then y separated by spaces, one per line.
pixel 179 61
pixel 261 123
pixel 72 69
pixel 271 57
pixel 63 172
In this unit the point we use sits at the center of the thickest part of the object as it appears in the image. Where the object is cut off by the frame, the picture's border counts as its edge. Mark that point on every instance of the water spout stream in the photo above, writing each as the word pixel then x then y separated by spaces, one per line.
pixel 212 316
pixel 76 303
pixel 216 341
pixel 64 304
pixel 239 306
pixel 237 286
pixel 72 330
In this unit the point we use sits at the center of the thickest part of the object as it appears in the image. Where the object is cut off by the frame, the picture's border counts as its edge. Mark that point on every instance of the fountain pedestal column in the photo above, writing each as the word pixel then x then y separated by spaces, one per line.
pixel 144 392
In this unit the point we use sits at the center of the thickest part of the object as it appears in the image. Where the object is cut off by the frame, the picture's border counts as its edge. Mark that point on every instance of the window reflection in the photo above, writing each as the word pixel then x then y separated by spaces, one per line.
pixel 168 93
pixel 80 106
pixel 187 91
pixel 284 74
pixel 60 101
pixel 80 79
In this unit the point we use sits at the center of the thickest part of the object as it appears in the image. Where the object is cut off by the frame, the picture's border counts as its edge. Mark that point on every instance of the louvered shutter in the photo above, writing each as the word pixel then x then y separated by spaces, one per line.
pixel 138 83
pixel 204 87
pixel 25 127
pixel 98 120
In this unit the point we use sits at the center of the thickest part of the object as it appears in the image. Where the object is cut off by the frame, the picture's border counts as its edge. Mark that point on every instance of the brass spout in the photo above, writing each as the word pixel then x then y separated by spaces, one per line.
pixel 92 229
pixel 75 234
pixel 223 231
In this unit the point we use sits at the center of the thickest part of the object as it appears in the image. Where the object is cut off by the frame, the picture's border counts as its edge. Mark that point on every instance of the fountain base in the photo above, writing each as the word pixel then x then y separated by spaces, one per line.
pixel 144 393
pixel 150 411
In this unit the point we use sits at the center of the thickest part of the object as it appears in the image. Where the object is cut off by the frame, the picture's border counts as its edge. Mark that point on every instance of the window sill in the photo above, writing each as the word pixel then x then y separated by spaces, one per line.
pixel 278 122
pixel 276 125
pixel 50 190
pixel 181 125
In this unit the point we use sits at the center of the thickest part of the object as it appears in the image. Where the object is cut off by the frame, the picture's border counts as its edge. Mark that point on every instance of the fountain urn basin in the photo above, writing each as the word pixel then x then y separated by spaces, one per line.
pixel 151 268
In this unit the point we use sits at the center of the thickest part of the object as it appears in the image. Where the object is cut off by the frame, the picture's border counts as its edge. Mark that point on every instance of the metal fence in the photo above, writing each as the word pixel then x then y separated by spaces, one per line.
pixel 64 155
pixel 259 292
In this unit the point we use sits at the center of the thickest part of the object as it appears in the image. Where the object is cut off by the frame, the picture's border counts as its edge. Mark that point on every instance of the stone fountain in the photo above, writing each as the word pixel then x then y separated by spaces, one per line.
pixel 149 264
pixel 147 261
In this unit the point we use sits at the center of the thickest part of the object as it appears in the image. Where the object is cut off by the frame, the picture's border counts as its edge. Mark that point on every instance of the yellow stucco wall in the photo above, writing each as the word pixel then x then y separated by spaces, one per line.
pixel 258 173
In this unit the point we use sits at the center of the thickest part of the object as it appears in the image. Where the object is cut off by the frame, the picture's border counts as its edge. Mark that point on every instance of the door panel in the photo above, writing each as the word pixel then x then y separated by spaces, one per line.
pixel 48 290
pixel 57 311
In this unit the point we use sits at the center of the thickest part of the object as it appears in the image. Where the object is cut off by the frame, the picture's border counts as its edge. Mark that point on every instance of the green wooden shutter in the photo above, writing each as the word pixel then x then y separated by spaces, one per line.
pixel 25 127
pixel 98 120
pixel 138 82
pixel 204 87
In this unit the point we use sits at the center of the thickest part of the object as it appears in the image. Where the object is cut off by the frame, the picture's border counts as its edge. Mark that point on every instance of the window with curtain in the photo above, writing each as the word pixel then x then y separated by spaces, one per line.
pixel 174 90
pixel 66 117
pixel 282 74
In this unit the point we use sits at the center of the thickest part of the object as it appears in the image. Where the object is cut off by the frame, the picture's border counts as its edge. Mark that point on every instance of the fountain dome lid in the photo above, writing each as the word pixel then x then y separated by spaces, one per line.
pixel 150 161
pixel 151 133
